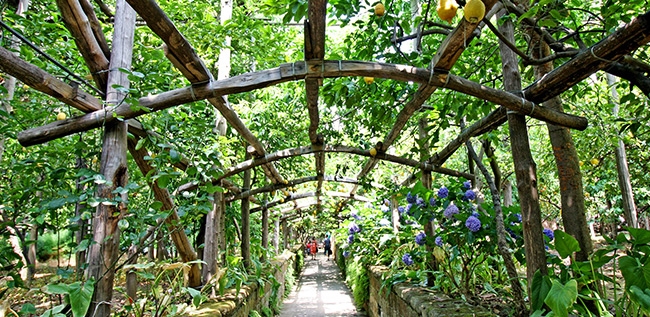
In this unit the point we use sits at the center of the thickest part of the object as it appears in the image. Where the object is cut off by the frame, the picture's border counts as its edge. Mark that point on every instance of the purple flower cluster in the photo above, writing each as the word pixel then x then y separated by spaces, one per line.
pixel 443 192
pixel 346 254
pixel 450 211
pixel 401 209
pixel 473 224
pixel 467 184
pixel 353 228
pixel 438 241
pixel 518 218
pixel 350 239
pixel 469 195
pixel 549 233
pixel 420 202
pixel 420 238
pixel 355 216
pixel 407 259
pixel 410 198
pixel 432 201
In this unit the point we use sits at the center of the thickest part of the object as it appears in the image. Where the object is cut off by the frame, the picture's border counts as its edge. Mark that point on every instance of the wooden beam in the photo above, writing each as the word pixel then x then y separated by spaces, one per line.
pixel 612 48
pixel 308 195
pixel 326 148
pixel 290 183
pixel 286 72
pixel 79 25
pixel 176 231
pixel 181 53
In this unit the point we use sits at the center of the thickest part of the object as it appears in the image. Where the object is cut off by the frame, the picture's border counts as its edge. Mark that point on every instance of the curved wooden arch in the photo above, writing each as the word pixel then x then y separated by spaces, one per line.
pixel 308 195
pixel 297 71
pixel 325 148
pixel 290 183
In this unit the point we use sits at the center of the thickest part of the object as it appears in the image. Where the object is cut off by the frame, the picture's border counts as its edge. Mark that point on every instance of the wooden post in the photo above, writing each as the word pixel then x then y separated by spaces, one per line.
pixel 525 168
pixel 627 195
pixel 276 235
pixel 285 234
pixel 104 252
pixel 245 219
pixel 265 232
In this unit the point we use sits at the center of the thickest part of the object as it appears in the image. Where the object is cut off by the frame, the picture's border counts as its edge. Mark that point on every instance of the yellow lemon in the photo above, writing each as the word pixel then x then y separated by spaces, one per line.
pixel 594 161
pixel 61 116
pixel 474 11
pixel 581 163
pixel 373 152
pixel 380 10
pixel 369 80
pixel 447 10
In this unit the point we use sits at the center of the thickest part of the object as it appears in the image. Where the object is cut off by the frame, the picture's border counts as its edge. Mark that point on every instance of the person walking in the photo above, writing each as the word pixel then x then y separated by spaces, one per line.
pixel 313 248
pixel 327 244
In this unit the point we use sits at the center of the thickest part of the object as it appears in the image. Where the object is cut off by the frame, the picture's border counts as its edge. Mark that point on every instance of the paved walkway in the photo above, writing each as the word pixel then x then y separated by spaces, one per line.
pixel 321 291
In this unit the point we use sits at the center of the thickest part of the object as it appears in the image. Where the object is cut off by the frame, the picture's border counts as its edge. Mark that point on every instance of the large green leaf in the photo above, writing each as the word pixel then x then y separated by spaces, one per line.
pixel 639 235
pixel 561 297
pixel 540 288
pixel 80 297
pixel 641 298
pixel 565 244
pixel 634 272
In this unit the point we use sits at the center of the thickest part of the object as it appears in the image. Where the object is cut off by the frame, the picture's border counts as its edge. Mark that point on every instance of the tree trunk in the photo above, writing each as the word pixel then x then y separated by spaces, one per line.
pixel 566 160
pixel 502 243
pixel 131 276
pixel 245 219
pixel 210 249
pixel 285 234
pixel 31 253
pixel 103 254
pixel 507 193
pixel 627 195
pixel 525 168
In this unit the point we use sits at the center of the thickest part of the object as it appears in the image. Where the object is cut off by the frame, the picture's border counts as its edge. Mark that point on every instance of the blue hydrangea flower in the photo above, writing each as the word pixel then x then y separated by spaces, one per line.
pixel 420 238
pixel 432 201
pixel 408 208
pixel 355 216
pixel 443 192
pixel 473 224
pixel 410 198
pixel 467 184
pixel 549 233
pixel 401 209
pixel 518 218
pixel 385 208
pixel 350 239
pixel 420 202
pixel 353 228
pixel 407 259
pixel 450 211
pixel 469 195
pixel 475 214
pixel 439 241
pixel 346 254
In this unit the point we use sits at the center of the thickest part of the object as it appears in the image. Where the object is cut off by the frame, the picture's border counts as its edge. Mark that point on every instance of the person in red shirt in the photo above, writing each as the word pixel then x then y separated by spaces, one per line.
pixel 313 248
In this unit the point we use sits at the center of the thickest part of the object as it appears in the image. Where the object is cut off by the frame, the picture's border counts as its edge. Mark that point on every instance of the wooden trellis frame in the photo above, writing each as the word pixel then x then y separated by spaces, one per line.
pixel 83 25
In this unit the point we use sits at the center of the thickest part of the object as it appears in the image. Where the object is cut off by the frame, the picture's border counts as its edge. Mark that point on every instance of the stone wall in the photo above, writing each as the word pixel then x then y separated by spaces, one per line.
pixel 233 304
pixel 406 300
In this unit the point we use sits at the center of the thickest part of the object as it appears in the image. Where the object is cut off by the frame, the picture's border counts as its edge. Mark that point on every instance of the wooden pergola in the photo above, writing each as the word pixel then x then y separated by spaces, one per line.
pixel 118 117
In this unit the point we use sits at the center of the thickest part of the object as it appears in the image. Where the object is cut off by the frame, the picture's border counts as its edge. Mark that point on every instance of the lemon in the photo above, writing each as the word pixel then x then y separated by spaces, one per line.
pixel 594 161
pixel 61 116
pixel 474 11
pixel 369 80
pixel 447 10
pixel 373 152
pixel 380 10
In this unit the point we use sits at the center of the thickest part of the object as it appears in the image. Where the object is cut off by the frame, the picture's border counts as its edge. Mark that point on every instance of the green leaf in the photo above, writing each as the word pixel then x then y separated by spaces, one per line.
pixel 565 244
pixel 641 298
pixel 175 156
pixel 59 289
pixel 540 287
pixel 55 311
pixel 639 235
pixel 140 144
pixel 80 297
pixel 561 297
pixel 163 181
pixel 634 272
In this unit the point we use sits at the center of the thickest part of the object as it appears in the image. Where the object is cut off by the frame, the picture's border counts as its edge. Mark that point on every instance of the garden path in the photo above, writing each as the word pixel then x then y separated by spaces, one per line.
pixel 321 291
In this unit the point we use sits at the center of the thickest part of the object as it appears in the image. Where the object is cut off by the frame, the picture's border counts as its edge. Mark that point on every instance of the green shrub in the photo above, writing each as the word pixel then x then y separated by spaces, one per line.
pixel 50 244
pixel 357 279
